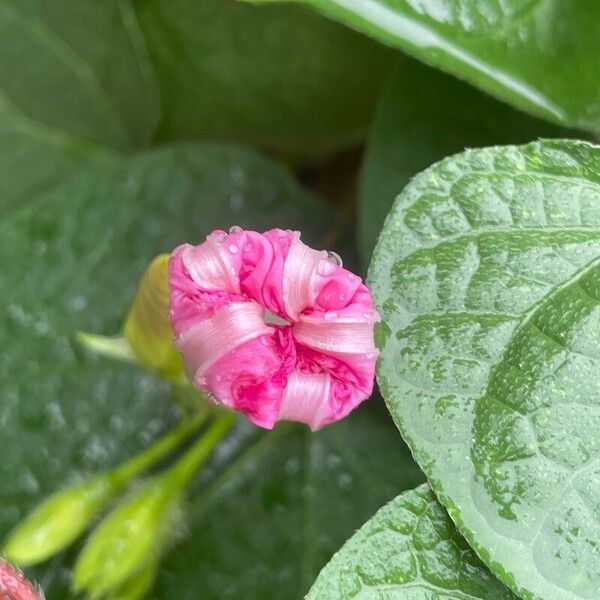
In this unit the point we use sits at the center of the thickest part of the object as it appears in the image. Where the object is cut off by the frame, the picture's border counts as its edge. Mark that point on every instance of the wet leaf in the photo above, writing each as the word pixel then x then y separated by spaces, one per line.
pixel 303 84
pixel 487 276
pixel 75 82
pixel 410 549
pixel 67 412
pixel 534 54
pixel 422 117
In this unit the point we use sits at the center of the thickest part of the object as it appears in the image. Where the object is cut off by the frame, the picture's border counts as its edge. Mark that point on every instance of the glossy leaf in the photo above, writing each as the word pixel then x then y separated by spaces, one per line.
pixel 409 550
pixel 71 260
pixel 422 117
pixel 487 276
pixel 535 54
pixel 279 76
pixel 74 81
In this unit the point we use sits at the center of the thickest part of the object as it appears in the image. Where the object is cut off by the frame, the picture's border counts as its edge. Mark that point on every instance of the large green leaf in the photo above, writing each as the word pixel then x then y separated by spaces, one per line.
pixel 280 76
pixel 423 116
pixel 73 76
pixel 70 260
pixel 539 55
pixel 409 550
pixel 488 279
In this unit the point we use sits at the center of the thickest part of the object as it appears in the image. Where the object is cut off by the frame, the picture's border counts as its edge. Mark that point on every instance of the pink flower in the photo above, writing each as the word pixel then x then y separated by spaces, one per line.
pixel 272 328
pixel 14 586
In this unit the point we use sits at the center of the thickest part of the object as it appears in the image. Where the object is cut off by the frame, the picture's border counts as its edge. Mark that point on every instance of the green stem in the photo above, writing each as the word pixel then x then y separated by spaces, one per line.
pixel 143 461
pixel 180 475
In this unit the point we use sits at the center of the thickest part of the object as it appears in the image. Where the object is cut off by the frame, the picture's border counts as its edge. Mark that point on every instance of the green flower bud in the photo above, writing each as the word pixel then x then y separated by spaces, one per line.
pixel 57 522
pixel 148 327
pixel 138 586
pixel 132 537
pixel 137 532
pixel 63 517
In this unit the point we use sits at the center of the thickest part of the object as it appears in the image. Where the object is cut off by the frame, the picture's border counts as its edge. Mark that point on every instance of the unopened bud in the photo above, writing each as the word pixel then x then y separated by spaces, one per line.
pixel 148 327
pixel 14 586
pixel 57 522
pixel 131 538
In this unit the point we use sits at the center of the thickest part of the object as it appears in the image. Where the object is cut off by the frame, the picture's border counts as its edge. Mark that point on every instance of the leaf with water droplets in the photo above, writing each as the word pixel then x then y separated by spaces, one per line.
pixel 410 549
pixel 487 275
pixel 522 51
pixel 265 513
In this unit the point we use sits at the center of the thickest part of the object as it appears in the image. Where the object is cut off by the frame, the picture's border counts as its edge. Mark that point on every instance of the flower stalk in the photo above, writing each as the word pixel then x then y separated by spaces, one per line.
pixel 64 516
pixel 133 537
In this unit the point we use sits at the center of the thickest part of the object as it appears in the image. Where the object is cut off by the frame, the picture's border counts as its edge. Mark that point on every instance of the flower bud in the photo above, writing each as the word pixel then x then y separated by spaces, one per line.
pixel 148 328
pixel 137 587
pixel 57 522
pixel 14 586
pixel 132 537
pixel 63 517
pixel 136 533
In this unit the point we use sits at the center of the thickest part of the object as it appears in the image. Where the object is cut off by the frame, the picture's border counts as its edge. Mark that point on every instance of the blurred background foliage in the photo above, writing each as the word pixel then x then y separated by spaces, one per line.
pixel 128 127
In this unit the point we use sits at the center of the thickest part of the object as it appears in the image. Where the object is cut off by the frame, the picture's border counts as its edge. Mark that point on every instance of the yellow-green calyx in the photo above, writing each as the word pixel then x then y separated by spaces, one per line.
pixel 148 328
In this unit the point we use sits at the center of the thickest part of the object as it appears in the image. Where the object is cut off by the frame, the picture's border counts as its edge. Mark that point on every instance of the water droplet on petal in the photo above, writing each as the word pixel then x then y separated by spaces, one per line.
pixel 218 236
pixel 235 229
pixel 335 258
pixel 325 267
pixel 201 381
pixel 330 315
pixel 233 249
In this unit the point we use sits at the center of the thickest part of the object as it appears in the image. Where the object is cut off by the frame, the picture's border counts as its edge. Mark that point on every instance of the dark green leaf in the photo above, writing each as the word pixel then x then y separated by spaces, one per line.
pixel 422 117
pixel 536 54
pixel 73 76
pixel 70 260
pixel 279 76
pixel 487 275
pixel 410 549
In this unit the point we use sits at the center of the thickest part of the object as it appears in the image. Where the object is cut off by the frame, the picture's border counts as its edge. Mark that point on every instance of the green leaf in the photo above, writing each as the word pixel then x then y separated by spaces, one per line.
pixel 279 504
pixel 487 276
pixel 410 549
pixel 279 76
pixel 535 54
pixel 74 81
pixel 413 129
pixel 71 260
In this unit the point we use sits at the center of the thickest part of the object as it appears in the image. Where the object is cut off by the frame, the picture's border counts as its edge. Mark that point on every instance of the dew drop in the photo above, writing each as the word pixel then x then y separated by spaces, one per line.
pixel 325 267
pixel 330 315
pixel 201 381
pixel 218 236
pixel 335 258
pixel 233 249
pixel 235 229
